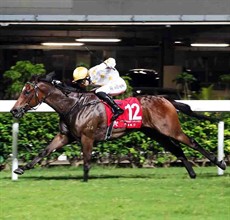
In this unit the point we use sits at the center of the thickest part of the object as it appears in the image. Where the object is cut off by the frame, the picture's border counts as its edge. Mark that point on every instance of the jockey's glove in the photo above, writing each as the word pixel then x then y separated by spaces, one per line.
pixel 56 82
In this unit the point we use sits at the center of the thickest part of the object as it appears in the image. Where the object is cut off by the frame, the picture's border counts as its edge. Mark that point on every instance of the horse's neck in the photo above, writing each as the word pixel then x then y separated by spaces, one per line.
pixel 63 104
pixel 60 102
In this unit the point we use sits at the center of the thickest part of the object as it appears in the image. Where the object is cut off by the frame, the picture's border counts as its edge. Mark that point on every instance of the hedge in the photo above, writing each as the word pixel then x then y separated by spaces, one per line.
pixel 38 129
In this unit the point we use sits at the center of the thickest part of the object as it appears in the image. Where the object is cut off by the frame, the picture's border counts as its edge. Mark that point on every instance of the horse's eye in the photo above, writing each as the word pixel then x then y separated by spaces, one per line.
pixel 26 92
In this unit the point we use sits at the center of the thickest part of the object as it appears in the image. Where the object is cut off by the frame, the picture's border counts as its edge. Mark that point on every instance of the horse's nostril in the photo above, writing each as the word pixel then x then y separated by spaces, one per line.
pixel 18 112
pixel 13 111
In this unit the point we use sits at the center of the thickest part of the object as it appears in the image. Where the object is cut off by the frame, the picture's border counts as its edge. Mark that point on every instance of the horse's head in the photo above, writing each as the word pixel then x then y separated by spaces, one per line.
pixel 32 95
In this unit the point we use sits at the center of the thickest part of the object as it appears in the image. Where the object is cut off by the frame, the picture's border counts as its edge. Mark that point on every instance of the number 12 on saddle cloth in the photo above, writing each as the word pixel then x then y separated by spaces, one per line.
pixel 132 116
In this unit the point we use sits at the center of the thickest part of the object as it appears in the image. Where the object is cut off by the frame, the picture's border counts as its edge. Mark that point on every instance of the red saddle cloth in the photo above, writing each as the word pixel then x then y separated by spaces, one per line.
pixel 132 116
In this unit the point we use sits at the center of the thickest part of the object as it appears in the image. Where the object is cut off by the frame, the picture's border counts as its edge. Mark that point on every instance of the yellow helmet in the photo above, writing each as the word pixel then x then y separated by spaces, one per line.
pixel 80 73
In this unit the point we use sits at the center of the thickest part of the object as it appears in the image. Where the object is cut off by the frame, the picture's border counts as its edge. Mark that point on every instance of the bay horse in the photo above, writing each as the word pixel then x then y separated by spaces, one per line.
pixel 83 117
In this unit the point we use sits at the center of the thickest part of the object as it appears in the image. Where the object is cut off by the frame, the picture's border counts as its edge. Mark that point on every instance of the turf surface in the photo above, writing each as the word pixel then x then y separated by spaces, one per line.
pixel 115 194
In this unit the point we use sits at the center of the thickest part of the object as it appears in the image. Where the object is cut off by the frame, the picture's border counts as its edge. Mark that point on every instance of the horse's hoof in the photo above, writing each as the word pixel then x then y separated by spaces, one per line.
pixel 192 175
pixel 223 165
pixel 19 171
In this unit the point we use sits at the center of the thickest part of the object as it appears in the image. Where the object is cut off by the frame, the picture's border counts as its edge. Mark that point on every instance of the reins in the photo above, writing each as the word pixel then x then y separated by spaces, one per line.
pixel 64 114
pixel 94 102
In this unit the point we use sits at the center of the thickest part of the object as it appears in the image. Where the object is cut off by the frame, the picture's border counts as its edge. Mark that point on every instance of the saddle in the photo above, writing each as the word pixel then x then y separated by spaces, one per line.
pixel 132 116
pixel 130 119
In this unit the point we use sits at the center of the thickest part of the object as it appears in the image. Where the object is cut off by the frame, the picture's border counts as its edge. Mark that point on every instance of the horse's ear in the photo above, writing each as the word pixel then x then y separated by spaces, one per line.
pixel 50 76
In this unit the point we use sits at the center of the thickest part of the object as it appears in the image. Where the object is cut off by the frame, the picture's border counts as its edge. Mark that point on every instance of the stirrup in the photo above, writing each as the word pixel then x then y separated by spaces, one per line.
pixel 117 114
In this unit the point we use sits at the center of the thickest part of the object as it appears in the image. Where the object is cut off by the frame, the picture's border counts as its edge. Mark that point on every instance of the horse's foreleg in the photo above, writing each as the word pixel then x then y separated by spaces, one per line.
pixel 59 141
pixel 87 146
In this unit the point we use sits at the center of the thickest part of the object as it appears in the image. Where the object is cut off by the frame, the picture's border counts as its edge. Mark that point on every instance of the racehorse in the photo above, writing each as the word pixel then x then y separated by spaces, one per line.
pixel 83 117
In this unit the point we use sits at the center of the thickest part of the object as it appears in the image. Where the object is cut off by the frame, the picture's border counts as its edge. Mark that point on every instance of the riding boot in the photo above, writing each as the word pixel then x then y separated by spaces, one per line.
pixel 116 109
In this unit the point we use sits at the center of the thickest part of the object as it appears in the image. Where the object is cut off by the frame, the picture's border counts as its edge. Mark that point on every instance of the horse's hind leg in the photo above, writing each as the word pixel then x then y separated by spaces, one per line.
pixel 194 145
pixel 165 121
pixel 59 141
pixel 178 152
pixel 173 147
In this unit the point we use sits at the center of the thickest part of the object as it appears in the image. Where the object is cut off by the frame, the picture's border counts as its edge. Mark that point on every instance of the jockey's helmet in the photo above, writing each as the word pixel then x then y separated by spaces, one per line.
pixel 80 73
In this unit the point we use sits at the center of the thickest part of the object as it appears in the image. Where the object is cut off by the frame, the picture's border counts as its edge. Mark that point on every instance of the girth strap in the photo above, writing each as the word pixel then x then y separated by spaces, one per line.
pixel 109 131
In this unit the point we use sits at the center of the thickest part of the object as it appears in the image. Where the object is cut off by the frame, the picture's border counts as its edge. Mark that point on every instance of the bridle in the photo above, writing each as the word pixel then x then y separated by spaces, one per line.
pixel 38 100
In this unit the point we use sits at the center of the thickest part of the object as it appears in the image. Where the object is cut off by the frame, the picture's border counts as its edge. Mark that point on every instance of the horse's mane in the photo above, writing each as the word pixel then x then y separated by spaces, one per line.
pixel 46 78
pixel 37 77
pixel 50 78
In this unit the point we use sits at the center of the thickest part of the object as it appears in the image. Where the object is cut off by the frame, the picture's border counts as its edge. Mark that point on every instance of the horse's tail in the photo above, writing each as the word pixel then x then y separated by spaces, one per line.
pixel 186 109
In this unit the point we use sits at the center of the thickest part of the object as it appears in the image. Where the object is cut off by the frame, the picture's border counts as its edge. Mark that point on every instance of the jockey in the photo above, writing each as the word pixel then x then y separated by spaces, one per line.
pixel 107 77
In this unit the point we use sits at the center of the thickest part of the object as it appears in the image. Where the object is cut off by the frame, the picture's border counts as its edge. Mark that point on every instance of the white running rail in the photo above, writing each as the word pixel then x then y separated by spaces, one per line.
pixel 196 105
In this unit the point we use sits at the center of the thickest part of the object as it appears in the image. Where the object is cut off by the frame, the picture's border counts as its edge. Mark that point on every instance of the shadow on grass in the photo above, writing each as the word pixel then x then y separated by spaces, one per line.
pixel 123 176
pixel 91 177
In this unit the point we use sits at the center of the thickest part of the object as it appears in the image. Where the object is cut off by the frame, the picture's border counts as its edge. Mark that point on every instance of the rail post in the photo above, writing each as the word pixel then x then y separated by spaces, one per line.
pixel 220 145
pixel 15 130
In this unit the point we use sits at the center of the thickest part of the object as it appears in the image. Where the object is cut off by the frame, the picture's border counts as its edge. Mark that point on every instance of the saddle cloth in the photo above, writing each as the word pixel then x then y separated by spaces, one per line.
pixel 132 116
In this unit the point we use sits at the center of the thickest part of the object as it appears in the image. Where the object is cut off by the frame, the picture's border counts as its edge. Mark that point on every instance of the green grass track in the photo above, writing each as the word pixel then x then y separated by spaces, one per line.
pixel 115 194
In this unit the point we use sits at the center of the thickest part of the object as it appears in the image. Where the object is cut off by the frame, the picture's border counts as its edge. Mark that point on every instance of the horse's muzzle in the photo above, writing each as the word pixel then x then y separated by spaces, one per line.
pixel 18 112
